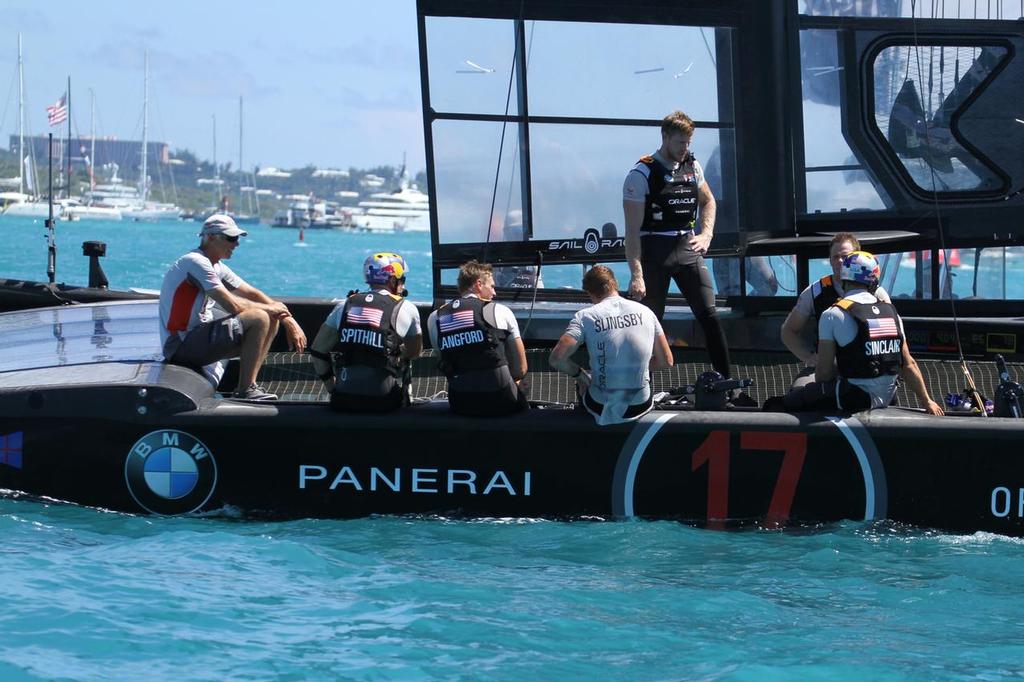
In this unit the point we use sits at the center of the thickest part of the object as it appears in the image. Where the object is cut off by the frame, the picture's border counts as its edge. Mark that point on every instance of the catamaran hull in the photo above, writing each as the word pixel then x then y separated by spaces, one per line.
pixel 713 468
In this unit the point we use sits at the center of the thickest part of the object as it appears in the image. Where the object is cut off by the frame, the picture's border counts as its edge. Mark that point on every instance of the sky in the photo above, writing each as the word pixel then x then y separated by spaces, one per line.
pixel 329 84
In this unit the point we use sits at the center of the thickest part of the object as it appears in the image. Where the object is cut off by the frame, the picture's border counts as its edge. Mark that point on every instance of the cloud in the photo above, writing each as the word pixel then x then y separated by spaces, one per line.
pixel 367 53
pixel 28 20
pixel 213 74
pixel 399 99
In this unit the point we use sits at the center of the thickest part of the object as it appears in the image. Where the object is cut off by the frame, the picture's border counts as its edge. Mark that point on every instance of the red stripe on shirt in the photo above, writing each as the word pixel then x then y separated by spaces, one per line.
pixel 181 306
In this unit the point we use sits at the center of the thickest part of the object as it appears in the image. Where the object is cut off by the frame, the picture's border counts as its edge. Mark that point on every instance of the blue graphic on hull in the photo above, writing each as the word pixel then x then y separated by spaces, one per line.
pixel 10 449
pixel 171 473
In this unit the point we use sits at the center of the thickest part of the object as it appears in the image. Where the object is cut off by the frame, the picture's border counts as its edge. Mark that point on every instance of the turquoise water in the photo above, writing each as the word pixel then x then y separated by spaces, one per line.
pixel 93 595
pixel 328 263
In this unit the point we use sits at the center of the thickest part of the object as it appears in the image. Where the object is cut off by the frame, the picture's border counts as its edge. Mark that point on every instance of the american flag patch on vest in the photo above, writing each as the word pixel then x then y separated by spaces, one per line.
pixel 360 315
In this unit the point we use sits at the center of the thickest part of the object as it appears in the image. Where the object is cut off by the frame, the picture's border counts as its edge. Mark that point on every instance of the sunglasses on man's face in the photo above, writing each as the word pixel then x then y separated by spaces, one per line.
pixel 233 239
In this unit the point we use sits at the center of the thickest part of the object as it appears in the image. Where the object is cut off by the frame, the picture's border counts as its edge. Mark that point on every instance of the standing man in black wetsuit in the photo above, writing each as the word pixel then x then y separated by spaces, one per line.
pixel 664 198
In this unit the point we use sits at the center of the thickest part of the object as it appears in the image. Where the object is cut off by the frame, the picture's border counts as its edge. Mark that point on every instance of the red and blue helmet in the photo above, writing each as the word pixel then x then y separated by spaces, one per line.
pixel 379 268
pixel 861 267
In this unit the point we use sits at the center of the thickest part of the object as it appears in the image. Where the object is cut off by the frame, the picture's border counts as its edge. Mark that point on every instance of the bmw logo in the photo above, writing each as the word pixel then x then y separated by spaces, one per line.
pixel 591 241
pixel 170 472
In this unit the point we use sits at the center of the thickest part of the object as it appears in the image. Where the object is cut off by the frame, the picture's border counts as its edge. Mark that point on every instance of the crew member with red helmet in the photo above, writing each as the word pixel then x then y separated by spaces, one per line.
pixel 862 349
pixel 374 335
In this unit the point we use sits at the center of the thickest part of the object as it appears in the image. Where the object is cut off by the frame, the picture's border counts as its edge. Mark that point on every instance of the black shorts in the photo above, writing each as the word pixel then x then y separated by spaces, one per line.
pixel 472 394
pixel 348 402
pixel 835 394
pixel 632 412
pixel 207 343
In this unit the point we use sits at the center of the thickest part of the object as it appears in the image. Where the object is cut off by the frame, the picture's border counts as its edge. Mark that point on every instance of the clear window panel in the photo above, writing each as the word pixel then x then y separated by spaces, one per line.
pixel 984 273
pixel 824 144
pixel 934 9
pixel 564 276
pixel 469 62
pixel 918 92
pixel 904 275
pixel 625 70
pixel 577 184
pixel 465 164
pixel 835 191
pixel 766 275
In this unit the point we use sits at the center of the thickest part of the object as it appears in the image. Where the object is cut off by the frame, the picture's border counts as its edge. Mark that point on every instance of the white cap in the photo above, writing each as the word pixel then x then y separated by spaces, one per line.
pixel 219 223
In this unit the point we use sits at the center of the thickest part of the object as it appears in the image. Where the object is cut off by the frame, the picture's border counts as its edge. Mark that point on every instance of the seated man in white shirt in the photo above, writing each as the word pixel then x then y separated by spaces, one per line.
pixel 625 342
pixel 190 335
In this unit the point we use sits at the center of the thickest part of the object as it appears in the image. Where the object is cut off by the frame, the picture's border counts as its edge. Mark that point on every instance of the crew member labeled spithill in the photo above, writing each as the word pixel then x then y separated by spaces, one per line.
pixel 482 354
pixel 663 198
pixel 374 335
pixel 862 351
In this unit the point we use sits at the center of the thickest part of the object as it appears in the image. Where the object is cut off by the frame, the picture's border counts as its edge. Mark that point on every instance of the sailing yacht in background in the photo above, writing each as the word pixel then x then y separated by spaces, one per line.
pixel 73 209
pixel 146 210
pixel 223 203
pixel 20 203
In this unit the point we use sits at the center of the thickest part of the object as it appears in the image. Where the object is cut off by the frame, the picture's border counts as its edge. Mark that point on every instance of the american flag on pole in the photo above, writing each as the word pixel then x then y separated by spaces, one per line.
pixel 58 113
pixel 883 327
pixel 460 319
pixel 361 315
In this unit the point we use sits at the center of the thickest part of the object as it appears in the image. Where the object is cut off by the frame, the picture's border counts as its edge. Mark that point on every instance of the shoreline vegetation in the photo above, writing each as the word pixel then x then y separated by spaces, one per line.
pixel 178 182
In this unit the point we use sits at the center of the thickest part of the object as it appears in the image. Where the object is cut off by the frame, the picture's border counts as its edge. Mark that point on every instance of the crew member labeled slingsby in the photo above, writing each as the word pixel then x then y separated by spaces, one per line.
pixel 624 340
pixel 481 352
pixel 375 334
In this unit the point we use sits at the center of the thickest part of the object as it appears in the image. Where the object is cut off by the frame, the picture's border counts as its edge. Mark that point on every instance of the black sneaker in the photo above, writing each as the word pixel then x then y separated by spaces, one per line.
pixel 255 392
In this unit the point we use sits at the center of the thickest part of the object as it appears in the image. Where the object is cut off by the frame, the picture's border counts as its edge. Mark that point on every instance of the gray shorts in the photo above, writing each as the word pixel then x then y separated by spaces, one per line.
pixel 207 343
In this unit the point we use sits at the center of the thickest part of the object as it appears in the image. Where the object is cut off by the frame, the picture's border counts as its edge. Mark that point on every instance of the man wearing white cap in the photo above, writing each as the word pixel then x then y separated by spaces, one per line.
pixel 189 333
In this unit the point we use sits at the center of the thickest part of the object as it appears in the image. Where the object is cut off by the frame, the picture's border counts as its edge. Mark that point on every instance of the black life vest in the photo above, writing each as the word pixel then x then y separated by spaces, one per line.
pixel 824 296
pixel 367 338
pixel 877 350
pixel 468 338
pixel 671 202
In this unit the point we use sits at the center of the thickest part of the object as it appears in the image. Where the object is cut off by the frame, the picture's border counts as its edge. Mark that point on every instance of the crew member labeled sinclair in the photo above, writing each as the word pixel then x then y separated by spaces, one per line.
pixel 375 335
pixel 482 353
pixel 862 351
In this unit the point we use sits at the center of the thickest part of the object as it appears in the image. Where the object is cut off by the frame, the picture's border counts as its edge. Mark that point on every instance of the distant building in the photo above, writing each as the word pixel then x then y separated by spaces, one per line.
pixel 125 153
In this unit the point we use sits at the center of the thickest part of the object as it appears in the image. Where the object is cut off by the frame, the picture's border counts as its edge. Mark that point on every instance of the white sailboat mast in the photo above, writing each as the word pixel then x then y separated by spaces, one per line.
pixel 216 168
pixel 21 120
pixel 241 172
pixel 92 145
pixel 145 127
pixel 240 166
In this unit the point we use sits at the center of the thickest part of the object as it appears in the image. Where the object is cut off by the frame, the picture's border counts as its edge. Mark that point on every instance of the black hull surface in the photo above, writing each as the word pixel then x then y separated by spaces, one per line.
pixel 150 452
